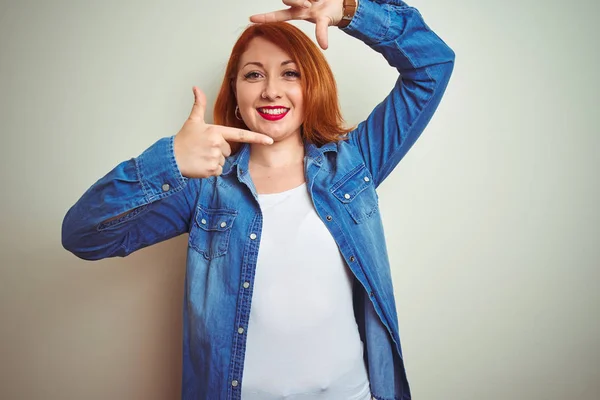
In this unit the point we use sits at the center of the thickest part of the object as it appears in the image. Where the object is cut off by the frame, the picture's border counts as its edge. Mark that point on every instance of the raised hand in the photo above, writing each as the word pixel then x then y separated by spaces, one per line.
pixel 323 13
pixel 201 148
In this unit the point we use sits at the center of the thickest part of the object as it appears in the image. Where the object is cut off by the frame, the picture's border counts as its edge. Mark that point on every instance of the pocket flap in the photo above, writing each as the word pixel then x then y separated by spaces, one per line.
pixel 352 184
pixel 215 219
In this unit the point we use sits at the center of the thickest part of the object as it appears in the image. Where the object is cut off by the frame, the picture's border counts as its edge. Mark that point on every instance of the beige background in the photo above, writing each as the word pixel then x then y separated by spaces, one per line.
pixel 492 219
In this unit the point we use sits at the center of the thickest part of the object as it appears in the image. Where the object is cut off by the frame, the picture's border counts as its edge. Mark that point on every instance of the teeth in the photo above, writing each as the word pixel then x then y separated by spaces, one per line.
pixel 277 111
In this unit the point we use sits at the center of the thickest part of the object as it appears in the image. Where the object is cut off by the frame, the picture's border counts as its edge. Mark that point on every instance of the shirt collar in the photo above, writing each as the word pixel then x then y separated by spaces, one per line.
pixel 238 162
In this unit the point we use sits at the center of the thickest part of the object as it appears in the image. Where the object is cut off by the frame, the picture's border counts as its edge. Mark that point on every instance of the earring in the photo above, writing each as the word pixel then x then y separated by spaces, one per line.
pixel 236 112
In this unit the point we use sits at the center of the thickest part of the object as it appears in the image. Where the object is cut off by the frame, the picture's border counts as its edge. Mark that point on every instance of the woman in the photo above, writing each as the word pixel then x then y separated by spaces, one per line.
pixel 279 201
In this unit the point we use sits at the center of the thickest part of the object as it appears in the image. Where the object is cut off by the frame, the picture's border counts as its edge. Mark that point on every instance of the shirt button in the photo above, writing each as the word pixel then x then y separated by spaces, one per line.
pixel 352 259
pixel 234 383
pixel 253 236
pixel 240 330
pixel 203 221
pixel 223 224
pixel 166 187
pixel 329 218
pixel 246 285
pixel 366 178
pixel 346 196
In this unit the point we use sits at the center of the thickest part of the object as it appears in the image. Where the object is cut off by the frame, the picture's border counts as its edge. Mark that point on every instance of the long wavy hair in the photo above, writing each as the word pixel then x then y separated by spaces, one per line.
pixel 323 121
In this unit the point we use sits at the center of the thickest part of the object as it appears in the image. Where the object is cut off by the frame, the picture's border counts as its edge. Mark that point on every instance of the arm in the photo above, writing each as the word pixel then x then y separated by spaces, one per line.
pixel 140 202
pixel 151 198
pixel 425 64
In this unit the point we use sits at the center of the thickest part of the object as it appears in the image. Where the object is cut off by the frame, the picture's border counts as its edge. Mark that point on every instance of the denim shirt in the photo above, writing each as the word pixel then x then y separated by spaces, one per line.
pixel 224 220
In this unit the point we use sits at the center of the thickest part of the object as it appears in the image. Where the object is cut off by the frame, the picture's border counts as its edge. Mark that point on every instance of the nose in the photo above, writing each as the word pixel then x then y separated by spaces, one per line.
pixel 271 90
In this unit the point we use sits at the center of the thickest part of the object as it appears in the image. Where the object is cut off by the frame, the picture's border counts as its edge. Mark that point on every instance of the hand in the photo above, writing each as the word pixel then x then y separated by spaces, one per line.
pixel 323 13
pixel 201 148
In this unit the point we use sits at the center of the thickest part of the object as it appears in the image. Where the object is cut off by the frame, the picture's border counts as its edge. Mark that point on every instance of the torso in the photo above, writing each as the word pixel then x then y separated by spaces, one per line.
pixel 302 338
pixel 309 297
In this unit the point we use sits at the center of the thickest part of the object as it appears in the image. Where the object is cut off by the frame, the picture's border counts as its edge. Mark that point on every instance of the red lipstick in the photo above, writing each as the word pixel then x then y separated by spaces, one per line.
pixel 272 117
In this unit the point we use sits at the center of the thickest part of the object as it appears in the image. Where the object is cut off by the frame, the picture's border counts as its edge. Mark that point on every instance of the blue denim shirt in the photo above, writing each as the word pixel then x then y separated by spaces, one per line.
pixel 224 221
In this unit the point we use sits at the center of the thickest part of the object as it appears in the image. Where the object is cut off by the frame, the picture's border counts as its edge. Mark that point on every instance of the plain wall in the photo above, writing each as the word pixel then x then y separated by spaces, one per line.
pixel 492 218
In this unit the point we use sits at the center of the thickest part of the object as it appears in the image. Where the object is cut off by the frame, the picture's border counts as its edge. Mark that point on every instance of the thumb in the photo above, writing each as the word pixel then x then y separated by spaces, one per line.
pixel 199 104
pixel 321 31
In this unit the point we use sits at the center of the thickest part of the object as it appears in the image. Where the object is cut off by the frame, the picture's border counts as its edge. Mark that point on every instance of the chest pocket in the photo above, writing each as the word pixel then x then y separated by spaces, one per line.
pixel 211 231
pixel 357 193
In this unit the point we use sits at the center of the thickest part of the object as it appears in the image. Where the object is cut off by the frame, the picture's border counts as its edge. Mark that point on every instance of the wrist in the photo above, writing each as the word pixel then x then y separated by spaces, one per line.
pixel 348 11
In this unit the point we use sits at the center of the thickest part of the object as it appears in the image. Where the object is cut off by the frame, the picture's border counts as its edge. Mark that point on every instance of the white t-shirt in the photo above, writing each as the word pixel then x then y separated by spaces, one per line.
pixel 303 341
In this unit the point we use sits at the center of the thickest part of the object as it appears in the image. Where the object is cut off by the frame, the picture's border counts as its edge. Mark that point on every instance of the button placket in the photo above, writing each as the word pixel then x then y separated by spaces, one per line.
pixel 243 309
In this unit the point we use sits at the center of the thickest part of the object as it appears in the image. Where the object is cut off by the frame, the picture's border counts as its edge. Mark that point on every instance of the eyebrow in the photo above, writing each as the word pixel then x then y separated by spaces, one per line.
pixel 286 62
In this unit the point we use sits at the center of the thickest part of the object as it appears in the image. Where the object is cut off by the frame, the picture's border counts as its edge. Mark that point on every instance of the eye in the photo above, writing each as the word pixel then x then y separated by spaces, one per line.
pixel 253 75
pixel 291 74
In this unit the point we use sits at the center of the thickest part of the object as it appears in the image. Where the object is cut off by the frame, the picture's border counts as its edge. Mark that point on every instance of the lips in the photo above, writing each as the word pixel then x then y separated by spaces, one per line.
pixel 273 113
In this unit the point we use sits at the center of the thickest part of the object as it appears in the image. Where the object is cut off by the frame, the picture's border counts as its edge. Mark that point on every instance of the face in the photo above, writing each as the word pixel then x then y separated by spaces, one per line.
pixel 268 91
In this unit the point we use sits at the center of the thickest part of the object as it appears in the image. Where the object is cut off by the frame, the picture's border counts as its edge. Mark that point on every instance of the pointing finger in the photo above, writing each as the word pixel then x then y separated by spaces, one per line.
pixel 278 16
pixel 241 135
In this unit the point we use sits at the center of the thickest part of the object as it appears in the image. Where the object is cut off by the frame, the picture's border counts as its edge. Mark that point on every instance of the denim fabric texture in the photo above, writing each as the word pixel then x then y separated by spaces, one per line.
pixel 224 221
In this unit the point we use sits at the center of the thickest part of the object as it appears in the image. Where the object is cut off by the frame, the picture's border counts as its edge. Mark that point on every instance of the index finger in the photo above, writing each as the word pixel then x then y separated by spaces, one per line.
pixel 244 136
pixel 277 16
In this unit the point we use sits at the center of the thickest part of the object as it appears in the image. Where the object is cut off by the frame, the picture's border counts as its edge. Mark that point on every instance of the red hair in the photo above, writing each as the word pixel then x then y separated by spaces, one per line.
pixel 323 121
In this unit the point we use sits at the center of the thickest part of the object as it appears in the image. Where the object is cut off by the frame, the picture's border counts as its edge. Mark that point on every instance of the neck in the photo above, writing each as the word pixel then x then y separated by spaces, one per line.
pixel 280 154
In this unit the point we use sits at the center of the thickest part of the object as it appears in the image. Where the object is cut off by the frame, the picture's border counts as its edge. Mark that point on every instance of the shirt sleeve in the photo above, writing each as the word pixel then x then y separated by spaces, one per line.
pixel 425 63
pixel 140 202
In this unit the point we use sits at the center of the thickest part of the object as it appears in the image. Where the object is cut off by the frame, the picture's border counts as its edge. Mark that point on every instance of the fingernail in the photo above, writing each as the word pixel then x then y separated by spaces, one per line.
pixel 307 4
pixel 268 141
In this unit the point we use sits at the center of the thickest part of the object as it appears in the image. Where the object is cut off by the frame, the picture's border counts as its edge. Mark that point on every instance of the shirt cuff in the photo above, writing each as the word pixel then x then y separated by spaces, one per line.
pixel 158 172
pixel 369 23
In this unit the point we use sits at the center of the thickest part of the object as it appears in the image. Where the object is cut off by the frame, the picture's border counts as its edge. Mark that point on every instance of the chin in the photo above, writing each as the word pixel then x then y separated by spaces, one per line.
pixel 273 133
pixel 280 133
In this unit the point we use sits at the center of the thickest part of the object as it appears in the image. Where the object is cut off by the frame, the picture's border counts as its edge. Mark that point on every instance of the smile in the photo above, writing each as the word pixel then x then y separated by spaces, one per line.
pixel 272 113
